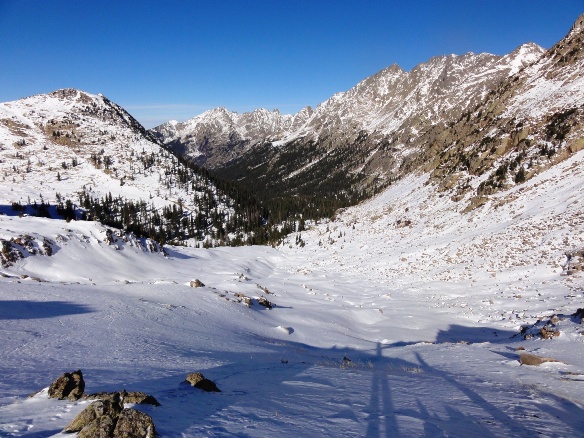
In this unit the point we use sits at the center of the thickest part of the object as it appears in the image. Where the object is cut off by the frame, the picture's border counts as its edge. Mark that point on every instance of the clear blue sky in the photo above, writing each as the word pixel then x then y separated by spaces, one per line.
pixel 169 59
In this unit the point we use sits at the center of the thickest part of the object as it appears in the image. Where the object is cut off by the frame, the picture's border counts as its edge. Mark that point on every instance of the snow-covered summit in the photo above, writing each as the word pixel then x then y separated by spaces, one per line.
pixel 70 143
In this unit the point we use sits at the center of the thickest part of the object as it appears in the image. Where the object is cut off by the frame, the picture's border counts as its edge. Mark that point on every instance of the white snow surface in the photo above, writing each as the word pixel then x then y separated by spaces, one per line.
pixel 36 165
pixel 398 318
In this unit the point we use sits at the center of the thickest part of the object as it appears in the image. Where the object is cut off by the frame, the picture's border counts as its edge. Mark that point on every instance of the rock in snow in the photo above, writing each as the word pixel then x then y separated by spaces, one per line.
pixel 69 386
pixel 199 381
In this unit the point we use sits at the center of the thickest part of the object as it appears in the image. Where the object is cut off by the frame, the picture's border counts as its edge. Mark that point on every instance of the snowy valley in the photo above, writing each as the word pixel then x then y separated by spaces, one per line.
pixel 449 303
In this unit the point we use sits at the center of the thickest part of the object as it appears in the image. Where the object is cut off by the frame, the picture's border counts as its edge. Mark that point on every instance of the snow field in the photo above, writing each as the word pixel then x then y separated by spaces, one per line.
pixel 392 329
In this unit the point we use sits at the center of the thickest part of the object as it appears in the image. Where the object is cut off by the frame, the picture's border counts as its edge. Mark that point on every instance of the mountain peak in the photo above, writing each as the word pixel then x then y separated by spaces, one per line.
pixel 578 26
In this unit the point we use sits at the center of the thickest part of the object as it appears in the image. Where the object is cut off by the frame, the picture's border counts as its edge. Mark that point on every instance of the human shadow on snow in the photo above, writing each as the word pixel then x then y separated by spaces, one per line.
pixel 400 393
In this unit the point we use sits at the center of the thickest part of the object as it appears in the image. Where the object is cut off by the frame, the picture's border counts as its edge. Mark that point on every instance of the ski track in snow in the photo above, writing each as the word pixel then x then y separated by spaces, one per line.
pixel 424 302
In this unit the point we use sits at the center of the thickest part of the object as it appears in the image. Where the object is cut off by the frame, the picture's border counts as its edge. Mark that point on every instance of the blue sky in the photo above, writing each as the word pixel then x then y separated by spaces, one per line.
pixel 168 59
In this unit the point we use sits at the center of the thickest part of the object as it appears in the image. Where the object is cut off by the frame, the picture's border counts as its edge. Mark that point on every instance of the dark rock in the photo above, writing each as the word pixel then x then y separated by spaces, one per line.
pixel 102 427
pixel 549 332
pixel 95 411
pixel 109 237
pixel 136 397
pixel 199 381
pixel 134 424
pixel 68 386
pixel 140 398
pixel 263 302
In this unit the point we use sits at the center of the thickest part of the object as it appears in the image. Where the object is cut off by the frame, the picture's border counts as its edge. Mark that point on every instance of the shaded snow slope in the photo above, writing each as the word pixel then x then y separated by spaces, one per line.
pixel 399 318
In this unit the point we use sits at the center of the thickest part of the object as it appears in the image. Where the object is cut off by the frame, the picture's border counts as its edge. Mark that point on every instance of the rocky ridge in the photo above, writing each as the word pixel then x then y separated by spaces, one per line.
pixel 478 123
pixel 391 102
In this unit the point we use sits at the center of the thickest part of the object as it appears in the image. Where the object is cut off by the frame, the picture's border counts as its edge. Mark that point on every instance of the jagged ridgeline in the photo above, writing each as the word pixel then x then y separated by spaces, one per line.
pixel 478 123
pixel 78 156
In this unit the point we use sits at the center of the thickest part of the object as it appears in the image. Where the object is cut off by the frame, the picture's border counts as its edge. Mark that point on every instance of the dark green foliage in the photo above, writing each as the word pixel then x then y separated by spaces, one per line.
pixel 17 206
pixel 501 172
pixel 547 151
pixel 559 125
pixel 66 211
pixel 289 196
pixel 520 176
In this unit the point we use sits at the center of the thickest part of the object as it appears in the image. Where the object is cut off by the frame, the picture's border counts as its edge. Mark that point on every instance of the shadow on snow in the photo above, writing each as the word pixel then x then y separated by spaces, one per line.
pixel 297 389
pixel 25 309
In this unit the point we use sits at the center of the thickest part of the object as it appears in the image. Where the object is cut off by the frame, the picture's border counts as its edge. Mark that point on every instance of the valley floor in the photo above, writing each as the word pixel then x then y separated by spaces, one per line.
pixel 399 318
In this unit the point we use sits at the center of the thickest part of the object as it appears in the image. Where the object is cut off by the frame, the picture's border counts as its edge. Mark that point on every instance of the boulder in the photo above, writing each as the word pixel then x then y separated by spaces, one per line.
pixel 109 419
pixel 95 411
pixel 68 386
pixel 196 283
pixel 533 359
pixel 579 316
pixel 134 424
pixel 199 381
pixel 102 427
pixel 140 398
pixel 136 397
pixel 263 302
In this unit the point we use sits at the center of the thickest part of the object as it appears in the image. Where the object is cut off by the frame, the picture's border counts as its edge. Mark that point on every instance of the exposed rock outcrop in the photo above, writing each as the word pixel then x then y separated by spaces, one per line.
pixel 69 386
pixel 196 283
pixel 136 397
pixel 109 419
pixel 199 381
pixel 533 359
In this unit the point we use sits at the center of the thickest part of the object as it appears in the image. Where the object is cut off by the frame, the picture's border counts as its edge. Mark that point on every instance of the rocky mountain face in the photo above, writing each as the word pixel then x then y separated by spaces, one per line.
pixel 530 122
pixel 478 122
pixel 349 133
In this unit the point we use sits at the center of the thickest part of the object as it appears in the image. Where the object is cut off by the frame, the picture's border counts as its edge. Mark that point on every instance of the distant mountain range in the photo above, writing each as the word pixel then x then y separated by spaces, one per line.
pixel 463 118
pixel 477 123
pixel 389 102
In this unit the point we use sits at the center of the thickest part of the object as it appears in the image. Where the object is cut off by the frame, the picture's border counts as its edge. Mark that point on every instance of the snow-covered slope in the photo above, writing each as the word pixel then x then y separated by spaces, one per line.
pixel 411 314
pixel 55 135
pixel 71 143
pixel 401 317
